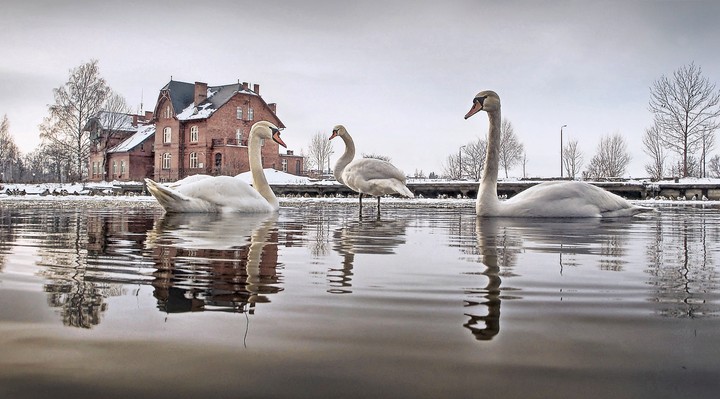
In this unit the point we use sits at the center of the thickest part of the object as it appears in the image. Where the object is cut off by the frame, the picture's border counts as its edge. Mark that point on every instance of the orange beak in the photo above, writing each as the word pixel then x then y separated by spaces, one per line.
pixel 477 107
pixel 276 138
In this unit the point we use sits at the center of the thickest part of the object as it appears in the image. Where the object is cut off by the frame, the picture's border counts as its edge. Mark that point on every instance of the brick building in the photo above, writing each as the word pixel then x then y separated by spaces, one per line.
pixel 120 146
pixel 204 129
pixel 194 129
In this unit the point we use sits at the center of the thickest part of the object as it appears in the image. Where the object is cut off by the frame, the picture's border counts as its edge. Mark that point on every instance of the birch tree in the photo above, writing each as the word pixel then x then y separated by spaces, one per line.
pixel 686 107
pixel 81 98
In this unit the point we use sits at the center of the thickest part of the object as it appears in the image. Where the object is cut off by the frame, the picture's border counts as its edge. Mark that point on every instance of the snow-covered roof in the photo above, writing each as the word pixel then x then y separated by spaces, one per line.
pixel 217 96
pixel 143 133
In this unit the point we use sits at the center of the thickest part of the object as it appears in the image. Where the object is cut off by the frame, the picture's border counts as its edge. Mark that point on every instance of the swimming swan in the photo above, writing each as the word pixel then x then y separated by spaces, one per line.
pixel 550 199
pixel 367 175
pixel 203 193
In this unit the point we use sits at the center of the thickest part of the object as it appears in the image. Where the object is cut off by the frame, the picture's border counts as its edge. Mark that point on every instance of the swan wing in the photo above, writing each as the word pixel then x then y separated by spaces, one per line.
pixel 227 194
pixel 569 199
pixel 375 177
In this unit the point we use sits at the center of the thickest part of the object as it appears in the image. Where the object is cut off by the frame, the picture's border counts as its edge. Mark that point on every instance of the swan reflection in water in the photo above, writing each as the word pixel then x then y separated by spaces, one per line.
pixel 501 240
pixel 377 237
pixel 219 262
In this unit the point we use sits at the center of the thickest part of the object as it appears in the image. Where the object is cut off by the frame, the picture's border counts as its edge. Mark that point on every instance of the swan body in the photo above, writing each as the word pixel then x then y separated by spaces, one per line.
pixel 204 193
pixel 367 176
pixel 557 199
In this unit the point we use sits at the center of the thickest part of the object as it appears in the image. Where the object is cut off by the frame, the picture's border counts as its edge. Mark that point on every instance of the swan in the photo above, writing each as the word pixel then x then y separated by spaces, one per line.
pixel 550 199
pixel 203 193
pixel 367 175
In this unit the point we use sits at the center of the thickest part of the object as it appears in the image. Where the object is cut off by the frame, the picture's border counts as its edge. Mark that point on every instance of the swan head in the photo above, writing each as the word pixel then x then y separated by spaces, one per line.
pixel 338 130
pixel 487 101
pixel 266 130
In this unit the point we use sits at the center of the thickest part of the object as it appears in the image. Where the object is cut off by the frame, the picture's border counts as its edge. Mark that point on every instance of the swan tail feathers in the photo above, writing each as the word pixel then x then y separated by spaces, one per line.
pixel 164 195
pixel 405 192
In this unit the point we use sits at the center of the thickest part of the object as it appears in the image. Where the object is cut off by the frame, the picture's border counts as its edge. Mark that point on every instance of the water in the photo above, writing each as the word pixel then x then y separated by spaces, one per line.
pixel 115 300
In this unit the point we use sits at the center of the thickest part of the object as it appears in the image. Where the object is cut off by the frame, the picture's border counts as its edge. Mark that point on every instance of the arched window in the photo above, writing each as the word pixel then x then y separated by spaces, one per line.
pixel 193 160
pixel 166 160
pixel 194 134
pixel 167 134
pixel 168 112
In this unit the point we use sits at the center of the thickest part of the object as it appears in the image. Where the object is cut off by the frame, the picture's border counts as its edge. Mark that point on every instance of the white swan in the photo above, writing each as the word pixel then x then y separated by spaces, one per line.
pixel 550 199
pixel 367 175
pixel 203 193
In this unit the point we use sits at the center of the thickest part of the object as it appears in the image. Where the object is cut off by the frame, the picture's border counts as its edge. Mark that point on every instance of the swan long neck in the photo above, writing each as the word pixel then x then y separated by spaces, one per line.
pixel 487 193
pixel 346 157
pixel 256 170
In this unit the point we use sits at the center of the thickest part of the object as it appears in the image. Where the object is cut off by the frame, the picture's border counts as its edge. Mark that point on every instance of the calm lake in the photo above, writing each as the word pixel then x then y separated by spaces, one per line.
pixel 114 299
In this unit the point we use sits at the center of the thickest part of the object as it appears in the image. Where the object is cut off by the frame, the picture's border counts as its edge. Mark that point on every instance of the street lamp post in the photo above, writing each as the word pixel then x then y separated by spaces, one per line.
pixel 460 160
pixel 561 151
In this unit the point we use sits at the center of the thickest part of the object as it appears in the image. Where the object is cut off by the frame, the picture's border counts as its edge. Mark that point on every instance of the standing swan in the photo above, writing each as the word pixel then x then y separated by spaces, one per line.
pixel 550 199
pixel 203 193
pixel 367 175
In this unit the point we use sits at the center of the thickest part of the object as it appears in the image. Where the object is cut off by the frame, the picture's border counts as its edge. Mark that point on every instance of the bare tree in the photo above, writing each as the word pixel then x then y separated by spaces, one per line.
pixel 81 98
pixel 686 108
pixel 714 166
pixel 611 159
pixel 653 146
pixel 319 151
pixel 451 167
pixel 112 120
pixel 707 144
pixel 9 152
pixel 473 158
pixel 511 150
pixel 572 159
pixel 524 163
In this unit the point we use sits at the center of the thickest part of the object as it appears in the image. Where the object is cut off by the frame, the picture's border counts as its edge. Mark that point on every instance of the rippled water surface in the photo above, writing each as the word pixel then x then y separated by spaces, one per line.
pixel 118 300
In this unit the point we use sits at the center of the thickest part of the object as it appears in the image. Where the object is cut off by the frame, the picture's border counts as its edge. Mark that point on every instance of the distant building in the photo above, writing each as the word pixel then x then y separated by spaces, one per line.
pixel 120 146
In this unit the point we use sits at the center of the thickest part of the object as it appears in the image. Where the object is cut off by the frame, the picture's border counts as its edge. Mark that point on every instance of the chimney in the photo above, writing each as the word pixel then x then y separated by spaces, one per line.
pixel 135 120
pixel 273 107
pixel 200 92
pixel 148 116
pixel 256 89
pixel 245 85
pixel 290 152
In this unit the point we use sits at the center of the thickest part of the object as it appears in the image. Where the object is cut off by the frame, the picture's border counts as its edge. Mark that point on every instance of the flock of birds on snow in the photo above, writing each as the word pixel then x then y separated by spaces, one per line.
pixel 374 177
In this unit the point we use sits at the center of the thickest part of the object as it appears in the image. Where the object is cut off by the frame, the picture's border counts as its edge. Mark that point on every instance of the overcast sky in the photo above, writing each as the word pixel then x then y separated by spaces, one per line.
pixel 400 75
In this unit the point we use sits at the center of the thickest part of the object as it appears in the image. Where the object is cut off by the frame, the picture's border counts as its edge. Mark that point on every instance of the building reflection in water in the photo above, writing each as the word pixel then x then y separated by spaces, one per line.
pixel 355 237
pixel 214 262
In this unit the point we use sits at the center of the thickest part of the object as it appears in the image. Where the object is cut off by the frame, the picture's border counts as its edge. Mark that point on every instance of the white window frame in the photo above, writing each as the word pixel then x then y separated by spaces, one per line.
pixel 239 113
pixel 166 159
pixel 238 136
pixel 122 167
pixel 284 164
pixel 167 134
pixel 251 113
pixel 193 160
pixel 194 134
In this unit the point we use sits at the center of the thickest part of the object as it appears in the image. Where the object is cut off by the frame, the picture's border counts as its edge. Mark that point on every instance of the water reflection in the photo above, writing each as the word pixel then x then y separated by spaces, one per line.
pixel 378 237
pixel 501 241
pixel 214 262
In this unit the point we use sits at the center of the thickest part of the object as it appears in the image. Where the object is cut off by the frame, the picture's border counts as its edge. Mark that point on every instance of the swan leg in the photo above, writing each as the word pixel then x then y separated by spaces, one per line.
pixel 378 211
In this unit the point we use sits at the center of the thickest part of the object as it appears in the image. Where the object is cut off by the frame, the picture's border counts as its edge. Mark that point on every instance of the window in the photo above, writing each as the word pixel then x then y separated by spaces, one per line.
pixel 251 114
pixel 95 168
pixel 168 112
pixel 239 113
pixel 114 168
pixel 218 161
pixel 122 168
pixel 284 165
pixel 166 160
pixel 167 134
pixel 194 134
pixel 238 136
pixel 193 160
